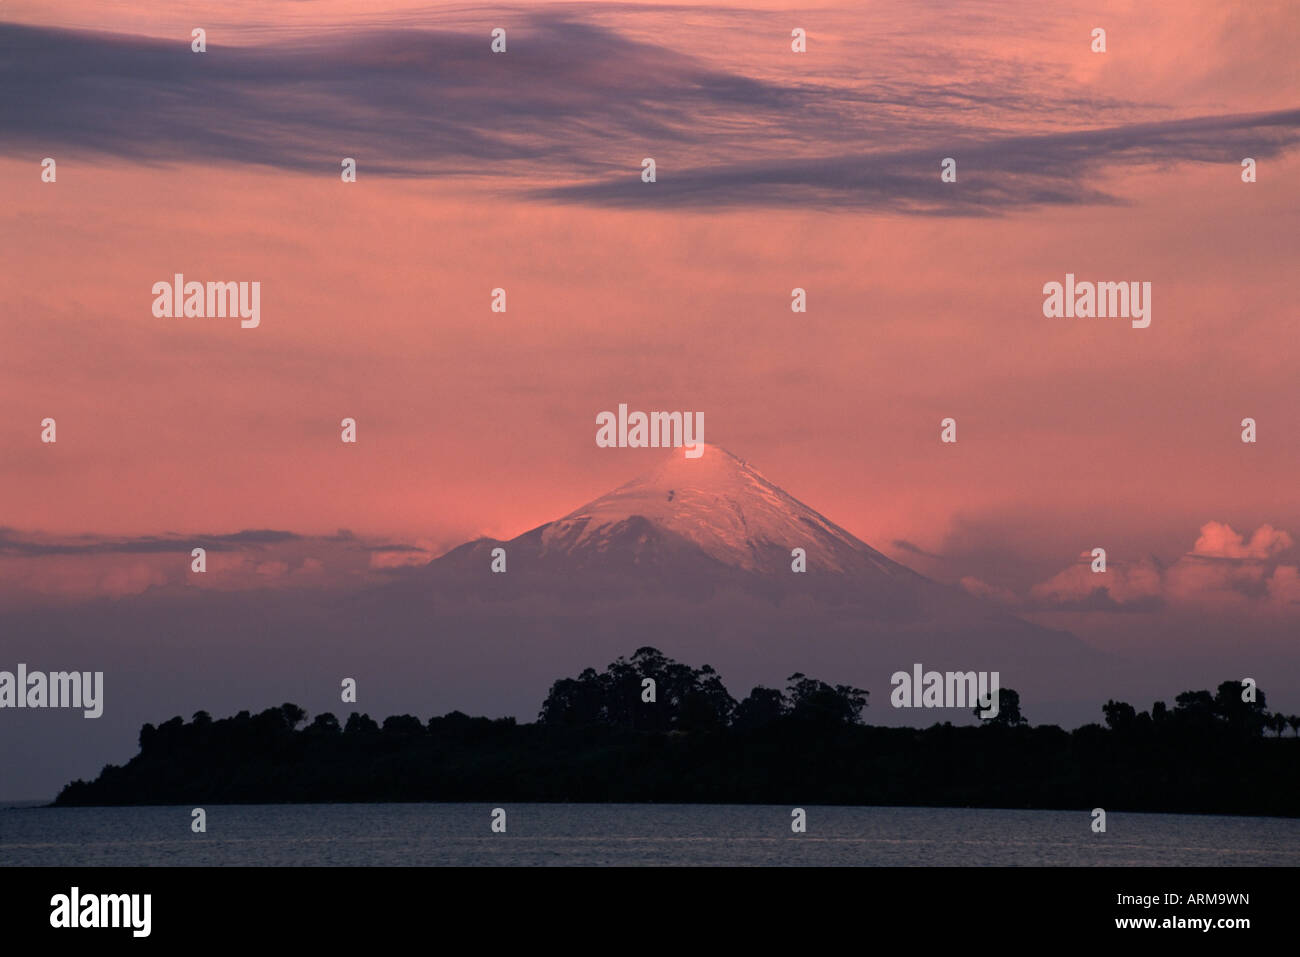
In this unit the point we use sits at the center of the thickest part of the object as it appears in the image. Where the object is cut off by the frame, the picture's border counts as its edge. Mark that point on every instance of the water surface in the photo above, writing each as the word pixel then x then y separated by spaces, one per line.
pixel 632 834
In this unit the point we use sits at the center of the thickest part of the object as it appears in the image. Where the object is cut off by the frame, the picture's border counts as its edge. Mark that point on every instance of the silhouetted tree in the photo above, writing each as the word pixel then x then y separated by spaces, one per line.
pixel 398 725
pixel 1195 710
pixel 685 699
pixel 1247 717
pixel 804 741
pixel 1008 710
pixel 707 705
pixel 575 702
pixel 1120 716
pixel 325 724
pixel 763 707
pixel 816 702
pixel 360 724
pixel 1194 702
pixel 293 715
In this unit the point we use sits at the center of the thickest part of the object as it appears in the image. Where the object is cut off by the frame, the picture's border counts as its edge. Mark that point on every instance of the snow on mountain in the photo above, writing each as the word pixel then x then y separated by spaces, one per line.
pixel 693 558
pixel 726 508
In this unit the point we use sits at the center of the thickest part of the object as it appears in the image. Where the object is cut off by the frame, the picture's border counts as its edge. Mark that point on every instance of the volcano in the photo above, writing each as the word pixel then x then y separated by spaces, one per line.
pixel 694 557
pixel 722 506
pixel 715 514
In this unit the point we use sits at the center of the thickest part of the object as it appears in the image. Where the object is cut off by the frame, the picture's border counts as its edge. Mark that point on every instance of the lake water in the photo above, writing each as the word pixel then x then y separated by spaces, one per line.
pixel 632 834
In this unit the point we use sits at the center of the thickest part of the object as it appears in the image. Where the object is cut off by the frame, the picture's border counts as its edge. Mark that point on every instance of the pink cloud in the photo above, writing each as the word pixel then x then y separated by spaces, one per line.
pixel 61 576
pixel 1123 582
pixel 994 593
pixel 1223 568
pixel 1218 540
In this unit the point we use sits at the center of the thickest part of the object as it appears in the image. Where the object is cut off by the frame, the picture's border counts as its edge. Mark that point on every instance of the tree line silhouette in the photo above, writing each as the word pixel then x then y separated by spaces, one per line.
pixel 651 729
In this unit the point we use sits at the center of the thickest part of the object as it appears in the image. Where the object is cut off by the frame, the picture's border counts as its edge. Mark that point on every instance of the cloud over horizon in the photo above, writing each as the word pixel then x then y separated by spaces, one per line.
pixel 567 115
pixel 39 568
pixel 1223 570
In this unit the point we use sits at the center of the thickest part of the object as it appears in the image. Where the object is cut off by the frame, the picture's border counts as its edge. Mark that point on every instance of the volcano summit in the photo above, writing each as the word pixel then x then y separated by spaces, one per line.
pixel 715 516
pixel 694 558
pixel 725 508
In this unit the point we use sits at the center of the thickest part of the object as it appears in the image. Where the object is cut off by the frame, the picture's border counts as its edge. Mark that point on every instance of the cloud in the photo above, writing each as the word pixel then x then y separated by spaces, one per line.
pixel 80 577
pixel 568 114
pixel 1218 540
pixel 14 543
pixel 408 102
pixel 39 567
pixel 390 556
pixel 998 174
pixel 1123 587
pixel 994 593
pixel 1223 569
pixel 906 546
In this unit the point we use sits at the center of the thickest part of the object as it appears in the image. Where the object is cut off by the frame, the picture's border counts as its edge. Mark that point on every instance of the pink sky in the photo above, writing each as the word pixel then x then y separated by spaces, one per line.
pixel 375 304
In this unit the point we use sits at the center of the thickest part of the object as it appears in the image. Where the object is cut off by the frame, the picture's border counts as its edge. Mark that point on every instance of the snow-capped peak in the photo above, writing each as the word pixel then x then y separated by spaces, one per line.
pixel 725 507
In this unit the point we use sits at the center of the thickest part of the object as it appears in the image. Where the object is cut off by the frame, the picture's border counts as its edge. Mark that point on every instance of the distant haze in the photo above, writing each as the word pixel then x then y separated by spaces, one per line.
pixel 692 558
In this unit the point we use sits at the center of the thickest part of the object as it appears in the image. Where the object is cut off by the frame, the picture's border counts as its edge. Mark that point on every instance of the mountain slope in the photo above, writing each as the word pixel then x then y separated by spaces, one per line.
pixel 693 558
pixel 726 509
pixel 693 526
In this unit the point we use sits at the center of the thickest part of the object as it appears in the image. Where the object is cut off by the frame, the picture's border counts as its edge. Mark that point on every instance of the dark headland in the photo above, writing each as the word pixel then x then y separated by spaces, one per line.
pixel 598 740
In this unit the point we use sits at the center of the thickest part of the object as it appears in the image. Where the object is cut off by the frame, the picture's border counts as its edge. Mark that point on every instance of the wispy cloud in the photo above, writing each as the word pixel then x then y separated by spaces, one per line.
pixel 568 115
pixel 997 175
pixel 34 565
pixel 15 543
